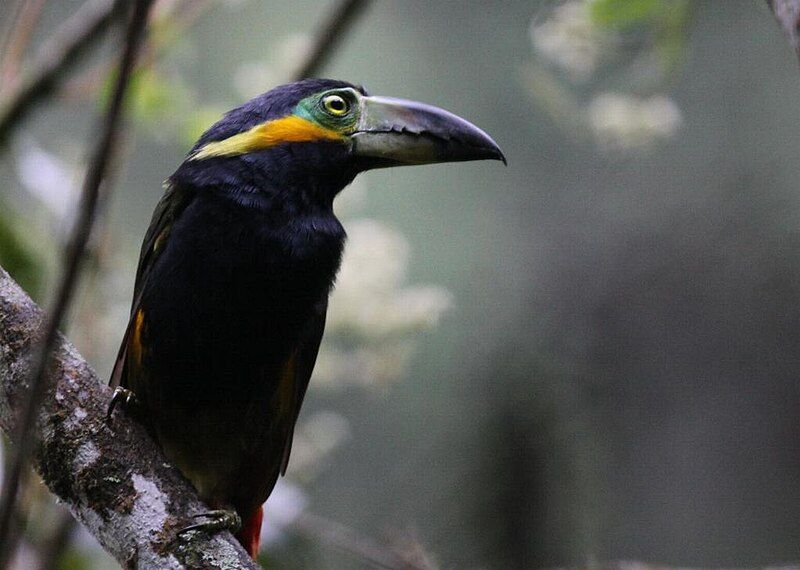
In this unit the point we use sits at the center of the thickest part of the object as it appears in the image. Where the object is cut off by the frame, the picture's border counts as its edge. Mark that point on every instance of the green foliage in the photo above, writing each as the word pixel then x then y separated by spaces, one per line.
pixel 156 101
pixel 196 122
pixel 672 33
pixel 159 99
pixel 17 257
pixel 665 19
pixel 153 98
pixel 625 13
pixel 164 105
pixel 73 560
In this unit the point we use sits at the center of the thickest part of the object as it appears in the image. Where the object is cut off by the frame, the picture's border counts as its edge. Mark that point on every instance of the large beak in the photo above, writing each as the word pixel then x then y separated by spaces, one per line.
pixel 395 132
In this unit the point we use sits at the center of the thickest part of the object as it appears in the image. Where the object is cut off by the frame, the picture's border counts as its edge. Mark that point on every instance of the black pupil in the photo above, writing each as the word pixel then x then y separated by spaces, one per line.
pixel 336 104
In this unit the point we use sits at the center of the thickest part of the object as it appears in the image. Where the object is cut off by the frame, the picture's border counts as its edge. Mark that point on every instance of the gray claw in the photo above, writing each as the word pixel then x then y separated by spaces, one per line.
pixel 220 519
pixel 121 397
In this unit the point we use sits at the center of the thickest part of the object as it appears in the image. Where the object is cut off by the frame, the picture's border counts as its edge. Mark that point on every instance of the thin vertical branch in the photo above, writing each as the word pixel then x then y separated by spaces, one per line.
pixel 787 13
pixel 13 15
pixel 328 36
pixel 182 17
pixel 20 32
pixel 25 434
pixel 65 47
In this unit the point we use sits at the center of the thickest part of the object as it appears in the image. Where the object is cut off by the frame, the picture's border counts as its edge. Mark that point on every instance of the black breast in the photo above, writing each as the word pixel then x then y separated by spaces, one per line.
pixel 228 301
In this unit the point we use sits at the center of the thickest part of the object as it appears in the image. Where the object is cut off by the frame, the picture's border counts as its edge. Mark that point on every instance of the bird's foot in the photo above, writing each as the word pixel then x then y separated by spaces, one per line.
pixel 218 520
pixel 122 397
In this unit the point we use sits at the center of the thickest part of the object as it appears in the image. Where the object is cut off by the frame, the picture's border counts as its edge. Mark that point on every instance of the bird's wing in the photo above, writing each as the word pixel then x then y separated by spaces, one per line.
pixel 304 359
pixel 172 203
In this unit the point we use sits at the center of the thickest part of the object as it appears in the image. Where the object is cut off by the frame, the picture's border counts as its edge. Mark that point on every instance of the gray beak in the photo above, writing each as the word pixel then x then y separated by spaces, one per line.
pixel 395 132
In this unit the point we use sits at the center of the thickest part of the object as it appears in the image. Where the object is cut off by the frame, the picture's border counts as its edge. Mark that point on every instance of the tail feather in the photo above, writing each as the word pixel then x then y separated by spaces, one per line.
pixel 250 535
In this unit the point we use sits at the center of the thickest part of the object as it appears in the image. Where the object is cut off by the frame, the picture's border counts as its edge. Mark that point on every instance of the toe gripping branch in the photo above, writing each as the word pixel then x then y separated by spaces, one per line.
pixel 221 519
pixel 248 534
pixel 123 398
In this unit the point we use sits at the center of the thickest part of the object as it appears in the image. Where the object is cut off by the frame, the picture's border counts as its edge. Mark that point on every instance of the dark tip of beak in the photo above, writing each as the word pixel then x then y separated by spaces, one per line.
pixel 455 150
pixel 491 152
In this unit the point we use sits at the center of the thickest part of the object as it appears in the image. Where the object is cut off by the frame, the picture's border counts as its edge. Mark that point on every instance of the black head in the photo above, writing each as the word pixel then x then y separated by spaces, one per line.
pixel 314 136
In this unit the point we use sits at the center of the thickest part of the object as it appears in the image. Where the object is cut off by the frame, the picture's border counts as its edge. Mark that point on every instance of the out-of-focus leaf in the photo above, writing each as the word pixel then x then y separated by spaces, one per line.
pixel 17 257
pixel 664 20
pixel 74 560
pixel 196 122
pixel 154 99
pixel 624 13
pixel 671 40
pixel 153 96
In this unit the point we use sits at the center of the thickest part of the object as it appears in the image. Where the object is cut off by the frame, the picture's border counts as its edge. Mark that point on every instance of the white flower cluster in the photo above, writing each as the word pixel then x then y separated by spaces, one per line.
pixel 315 438
pixel 284 506
pixel 369 366
pixel 372 313
pixel 624 122
pixel 370 300
pixel 51 178
pixel 570 40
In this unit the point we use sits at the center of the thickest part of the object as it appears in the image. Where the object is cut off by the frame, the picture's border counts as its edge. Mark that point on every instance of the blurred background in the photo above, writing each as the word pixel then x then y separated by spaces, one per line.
pixel 592 354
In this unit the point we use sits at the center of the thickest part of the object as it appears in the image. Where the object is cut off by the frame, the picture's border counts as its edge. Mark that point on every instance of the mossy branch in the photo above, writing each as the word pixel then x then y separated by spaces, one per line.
pixel 113 477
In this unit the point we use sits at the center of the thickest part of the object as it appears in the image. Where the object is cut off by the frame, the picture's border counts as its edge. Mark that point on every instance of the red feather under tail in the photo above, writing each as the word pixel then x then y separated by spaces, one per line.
pixel 250 535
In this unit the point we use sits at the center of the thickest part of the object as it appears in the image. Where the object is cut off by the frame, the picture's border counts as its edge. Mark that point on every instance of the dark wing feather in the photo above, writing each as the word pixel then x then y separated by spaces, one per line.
pixel 305 358
pixel 172 203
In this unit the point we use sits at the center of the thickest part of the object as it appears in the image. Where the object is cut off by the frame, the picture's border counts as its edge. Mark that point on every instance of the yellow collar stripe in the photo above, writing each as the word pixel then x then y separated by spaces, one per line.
pixel 288 129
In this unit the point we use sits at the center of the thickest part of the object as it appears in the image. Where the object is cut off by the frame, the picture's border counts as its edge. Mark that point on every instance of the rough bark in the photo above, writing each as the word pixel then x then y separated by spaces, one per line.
pixel 112 477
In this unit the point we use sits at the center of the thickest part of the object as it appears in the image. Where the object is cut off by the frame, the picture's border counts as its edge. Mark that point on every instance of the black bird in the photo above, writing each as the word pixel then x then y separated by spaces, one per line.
pixel 235 271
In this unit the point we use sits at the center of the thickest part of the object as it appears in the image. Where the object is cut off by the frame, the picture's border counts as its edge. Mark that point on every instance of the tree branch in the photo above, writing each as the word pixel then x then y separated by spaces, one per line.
pixel 55 57
pixel 788 14
pixel 329 34
pixel 113 478
pixel 21 28
pixel 25 434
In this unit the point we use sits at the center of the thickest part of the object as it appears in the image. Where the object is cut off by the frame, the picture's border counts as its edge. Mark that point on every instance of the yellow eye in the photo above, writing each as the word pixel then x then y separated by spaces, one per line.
pixel 335 105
